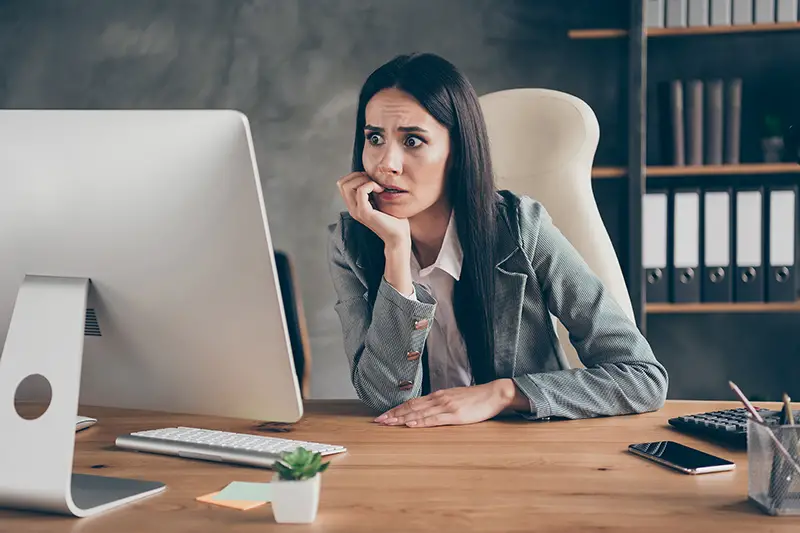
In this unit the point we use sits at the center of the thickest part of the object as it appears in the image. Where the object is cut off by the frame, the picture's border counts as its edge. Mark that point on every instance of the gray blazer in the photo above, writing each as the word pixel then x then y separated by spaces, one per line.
pixel 538 275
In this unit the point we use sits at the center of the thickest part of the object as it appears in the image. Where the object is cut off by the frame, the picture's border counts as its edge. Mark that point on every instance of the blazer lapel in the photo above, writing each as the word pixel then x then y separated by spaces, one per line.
pixel 508 300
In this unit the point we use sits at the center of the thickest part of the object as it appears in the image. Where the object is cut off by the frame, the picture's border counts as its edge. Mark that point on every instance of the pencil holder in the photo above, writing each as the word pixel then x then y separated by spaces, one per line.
pixel 773 481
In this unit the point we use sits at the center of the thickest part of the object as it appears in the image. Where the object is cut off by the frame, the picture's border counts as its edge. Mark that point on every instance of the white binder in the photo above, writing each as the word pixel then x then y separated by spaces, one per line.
pixel 749 247
pixel 782 224
pixel 717 240
pixel 686 247
pixel 654 14
pixel 654 245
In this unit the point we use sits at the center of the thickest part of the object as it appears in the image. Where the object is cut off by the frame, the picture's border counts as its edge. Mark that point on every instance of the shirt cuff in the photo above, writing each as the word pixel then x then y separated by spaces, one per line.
pixel 540 407
pixel 412 296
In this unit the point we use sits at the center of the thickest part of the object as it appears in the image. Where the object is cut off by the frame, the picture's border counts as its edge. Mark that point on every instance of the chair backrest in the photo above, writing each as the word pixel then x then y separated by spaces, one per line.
pixel 295 321
pixel 543 144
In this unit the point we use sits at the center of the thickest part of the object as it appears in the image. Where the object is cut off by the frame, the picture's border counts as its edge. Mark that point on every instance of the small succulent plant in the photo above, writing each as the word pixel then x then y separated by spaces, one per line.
pixel 299 465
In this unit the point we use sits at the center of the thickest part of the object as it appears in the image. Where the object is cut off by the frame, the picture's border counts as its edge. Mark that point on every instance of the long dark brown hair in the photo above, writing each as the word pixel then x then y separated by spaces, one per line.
pixel 448 97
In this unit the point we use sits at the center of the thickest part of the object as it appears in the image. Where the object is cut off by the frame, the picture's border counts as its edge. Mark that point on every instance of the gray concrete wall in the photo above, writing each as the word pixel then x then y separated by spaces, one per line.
pixel 295 68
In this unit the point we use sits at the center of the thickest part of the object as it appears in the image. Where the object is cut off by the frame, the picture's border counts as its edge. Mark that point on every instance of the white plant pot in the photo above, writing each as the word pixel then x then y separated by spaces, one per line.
pixel 772 148
pixel 295 502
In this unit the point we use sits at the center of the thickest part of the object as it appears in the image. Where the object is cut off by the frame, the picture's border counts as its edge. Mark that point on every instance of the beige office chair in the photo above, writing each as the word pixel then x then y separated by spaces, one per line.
pixel 543 143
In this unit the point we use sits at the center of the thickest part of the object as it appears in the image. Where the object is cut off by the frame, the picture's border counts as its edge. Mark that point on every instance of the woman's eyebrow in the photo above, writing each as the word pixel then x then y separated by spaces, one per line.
pixel 412 129
pixel 401 128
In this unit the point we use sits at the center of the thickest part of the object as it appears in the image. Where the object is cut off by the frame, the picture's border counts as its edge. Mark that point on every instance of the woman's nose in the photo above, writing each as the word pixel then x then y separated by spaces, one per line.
pixel 391 161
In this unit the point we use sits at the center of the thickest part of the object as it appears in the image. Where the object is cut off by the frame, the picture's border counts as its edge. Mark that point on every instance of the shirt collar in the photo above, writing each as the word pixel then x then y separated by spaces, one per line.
pixel 450 256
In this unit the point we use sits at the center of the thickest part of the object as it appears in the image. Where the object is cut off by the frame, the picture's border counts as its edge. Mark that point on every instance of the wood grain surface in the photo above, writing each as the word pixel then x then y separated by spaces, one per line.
pixel 501 475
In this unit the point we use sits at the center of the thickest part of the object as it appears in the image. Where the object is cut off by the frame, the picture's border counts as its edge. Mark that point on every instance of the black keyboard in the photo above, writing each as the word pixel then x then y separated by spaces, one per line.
pixel 728 426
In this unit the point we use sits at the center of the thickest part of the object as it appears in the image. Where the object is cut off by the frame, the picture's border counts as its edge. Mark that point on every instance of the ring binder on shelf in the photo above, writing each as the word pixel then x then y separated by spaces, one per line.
pixel 749 285
pixel 686 246
pixel 781 206
pixel 654 245
pixel 717 223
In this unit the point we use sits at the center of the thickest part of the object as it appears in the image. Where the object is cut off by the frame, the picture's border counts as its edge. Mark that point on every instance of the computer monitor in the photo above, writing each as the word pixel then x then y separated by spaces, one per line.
pixel 138 243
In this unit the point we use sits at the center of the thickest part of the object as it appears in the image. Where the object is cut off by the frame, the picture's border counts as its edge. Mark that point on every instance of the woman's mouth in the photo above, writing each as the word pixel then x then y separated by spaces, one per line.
pixel 391 193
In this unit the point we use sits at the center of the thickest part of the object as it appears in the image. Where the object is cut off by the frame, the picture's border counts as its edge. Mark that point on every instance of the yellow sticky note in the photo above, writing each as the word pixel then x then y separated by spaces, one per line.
pixel 233 504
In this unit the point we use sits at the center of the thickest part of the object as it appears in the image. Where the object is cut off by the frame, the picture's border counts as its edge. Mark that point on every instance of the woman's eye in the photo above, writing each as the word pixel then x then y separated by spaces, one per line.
pixel 374 139
pixel 413 142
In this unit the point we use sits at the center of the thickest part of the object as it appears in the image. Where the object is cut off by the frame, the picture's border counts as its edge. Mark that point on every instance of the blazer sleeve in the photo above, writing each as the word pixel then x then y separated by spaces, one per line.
pixel 379 339
pixel 622 375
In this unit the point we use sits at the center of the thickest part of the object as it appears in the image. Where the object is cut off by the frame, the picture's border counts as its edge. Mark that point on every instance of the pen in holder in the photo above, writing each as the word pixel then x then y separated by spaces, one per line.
pixel 773 454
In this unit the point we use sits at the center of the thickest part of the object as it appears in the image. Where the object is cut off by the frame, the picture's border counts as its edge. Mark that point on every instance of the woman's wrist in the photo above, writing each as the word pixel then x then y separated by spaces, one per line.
pixel 510 395
pixel 398 268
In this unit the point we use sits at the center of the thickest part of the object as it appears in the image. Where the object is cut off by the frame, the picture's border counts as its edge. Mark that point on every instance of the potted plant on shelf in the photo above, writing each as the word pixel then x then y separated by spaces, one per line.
pixel 772 142
pixel 295 497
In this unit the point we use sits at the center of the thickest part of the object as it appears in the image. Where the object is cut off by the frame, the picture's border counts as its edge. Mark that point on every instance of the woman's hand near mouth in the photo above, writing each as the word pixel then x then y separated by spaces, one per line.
pixel 355 188
pixel 395 233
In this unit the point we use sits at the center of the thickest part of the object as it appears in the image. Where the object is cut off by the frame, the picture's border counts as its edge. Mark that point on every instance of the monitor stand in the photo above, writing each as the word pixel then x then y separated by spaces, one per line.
pixel 45 339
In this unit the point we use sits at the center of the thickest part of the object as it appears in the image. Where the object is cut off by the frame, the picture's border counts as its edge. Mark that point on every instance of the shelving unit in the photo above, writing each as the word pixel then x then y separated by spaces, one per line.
pixel 636 173
pixel 755 307
pixel 610 33
pixel 609 172
pixel 614 33
pixel 724 170
pixel 702 170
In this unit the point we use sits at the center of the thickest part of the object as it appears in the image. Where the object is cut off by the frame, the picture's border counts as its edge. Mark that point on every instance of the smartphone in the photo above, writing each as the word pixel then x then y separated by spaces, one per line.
pixel 680 457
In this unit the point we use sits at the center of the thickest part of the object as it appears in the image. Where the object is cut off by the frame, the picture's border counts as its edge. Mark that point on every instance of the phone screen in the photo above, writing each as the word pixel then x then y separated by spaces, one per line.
pixel 679 455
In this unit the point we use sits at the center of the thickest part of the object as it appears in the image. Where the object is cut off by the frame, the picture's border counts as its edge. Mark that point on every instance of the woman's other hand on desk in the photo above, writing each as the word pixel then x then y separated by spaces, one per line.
pixel 457 406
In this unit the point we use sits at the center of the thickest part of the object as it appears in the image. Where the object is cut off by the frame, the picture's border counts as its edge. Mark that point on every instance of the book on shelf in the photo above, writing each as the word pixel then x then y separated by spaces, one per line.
pixel 764 11
pixel 694 122
pixel 699 122
pixel 720 13
pixel 787 11
pixel 742 12
pixel 698 13
pixel 714 122
pixel 669 102
pixel 654 14
pixel 677 13
pixel 733 120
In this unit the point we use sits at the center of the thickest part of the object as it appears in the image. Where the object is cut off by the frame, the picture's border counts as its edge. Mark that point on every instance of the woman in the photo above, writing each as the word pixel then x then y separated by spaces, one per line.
pixel 445 286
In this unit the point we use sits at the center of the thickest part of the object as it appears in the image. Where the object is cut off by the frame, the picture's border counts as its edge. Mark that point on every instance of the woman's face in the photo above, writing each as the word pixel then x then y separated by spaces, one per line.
pixel 405 151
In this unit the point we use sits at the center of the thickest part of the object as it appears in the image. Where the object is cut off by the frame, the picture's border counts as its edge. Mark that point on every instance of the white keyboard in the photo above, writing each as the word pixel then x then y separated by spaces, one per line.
pixel 219 446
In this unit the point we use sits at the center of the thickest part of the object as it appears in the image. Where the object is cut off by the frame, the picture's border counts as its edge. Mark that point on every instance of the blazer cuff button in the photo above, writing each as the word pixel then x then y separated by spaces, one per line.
pixel 405 385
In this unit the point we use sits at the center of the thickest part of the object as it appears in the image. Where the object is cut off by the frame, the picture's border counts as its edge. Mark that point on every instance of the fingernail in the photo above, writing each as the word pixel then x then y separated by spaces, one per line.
pixel 412 423
pixel 391 421
pixel 381 418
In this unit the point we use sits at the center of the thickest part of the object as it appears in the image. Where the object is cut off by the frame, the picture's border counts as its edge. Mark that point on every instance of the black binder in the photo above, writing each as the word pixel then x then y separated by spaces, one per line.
pixel 780 244
pixel 716 215
pixel 749 212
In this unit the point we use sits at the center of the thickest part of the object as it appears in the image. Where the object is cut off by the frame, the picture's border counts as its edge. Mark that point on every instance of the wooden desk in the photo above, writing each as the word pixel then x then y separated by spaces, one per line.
pixel 568 476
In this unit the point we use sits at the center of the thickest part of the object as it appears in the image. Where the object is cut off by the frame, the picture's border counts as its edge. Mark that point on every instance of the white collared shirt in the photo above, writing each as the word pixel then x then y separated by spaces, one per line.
pixel 448 364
